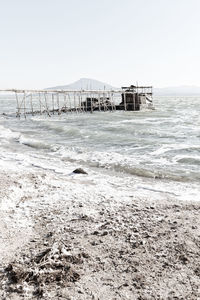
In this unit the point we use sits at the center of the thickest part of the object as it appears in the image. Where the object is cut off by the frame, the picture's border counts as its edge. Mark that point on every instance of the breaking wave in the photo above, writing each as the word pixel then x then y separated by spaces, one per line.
pixel 33 143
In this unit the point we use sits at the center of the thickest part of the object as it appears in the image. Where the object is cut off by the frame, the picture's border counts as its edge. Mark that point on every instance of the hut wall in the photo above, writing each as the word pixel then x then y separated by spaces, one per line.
pixel 132 101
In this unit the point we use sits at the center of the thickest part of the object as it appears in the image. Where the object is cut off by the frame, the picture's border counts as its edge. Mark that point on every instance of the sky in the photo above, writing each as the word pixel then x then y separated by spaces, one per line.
pixel 46 43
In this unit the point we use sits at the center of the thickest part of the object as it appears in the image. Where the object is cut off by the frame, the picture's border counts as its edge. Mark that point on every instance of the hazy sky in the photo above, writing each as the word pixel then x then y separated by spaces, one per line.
pixel 53 42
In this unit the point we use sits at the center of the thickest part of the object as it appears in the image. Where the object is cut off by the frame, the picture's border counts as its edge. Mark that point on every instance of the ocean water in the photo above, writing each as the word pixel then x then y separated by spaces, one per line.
pixel 159 150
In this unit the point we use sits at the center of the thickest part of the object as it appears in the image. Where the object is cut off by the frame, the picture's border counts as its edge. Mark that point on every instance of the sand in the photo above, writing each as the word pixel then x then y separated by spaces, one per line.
pixel 76 237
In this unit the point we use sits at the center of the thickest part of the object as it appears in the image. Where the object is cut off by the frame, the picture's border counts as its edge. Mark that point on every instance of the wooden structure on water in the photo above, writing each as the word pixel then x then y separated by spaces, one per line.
pixel 52 102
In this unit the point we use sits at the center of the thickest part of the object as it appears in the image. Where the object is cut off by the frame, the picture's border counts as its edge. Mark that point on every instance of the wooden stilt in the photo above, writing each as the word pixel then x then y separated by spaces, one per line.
pixel 25 105
pixel 70 105
pixel 65 103
pixel 99 101
pixel 79 102
pixel 46 104
pixel 52 99
pixel 86 104
pixel 124 100
pixel 75 107
pixel 31 100
pixel 58 103
pixel 18 107
pixel 91 103
pixel 40 103
pixel 114 103
pixel 111 101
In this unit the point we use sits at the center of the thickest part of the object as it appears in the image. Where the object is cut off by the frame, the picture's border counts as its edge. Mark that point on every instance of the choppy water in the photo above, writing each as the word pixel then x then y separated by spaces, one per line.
pixel 159 145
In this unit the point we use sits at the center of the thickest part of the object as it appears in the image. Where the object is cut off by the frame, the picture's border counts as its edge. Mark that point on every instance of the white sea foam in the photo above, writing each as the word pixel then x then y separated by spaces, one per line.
pixel 34 143
pixel 6 134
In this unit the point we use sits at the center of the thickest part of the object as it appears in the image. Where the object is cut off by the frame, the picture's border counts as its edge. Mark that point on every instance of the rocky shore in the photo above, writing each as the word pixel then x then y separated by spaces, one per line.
pixel 76 238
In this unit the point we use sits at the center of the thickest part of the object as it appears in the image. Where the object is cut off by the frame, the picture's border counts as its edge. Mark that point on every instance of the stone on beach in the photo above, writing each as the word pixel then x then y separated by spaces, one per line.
pixel 79 171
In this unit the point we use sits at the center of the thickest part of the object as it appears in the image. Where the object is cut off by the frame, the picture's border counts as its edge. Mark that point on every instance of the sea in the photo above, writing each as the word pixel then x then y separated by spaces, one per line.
pixel 157 150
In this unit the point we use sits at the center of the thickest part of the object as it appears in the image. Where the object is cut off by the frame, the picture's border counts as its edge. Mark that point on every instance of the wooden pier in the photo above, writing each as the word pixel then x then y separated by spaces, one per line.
pixel 52 102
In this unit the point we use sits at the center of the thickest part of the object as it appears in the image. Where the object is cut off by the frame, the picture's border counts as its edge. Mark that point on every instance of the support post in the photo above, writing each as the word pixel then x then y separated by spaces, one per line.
pixel 24 104
pixel 91 104
pixel 18 107
pixel 86 102
pixel 124 100
pixel 75 107
pixel 99 101
pixel 52 98
pixel 58 103
pixel 32 104
pixel 46 103
pixel 40 103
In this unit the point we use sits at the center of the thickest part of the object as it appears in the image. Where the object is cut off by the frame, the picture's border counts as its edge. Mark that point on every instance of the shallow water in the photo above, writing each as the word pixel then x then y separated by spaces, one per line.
pixel 160 147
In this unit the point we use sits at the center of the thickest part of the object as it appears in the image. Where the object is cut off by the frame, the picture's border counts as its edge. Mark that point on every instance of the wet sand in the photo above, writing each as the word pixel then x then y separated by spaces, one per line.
pixel 70 238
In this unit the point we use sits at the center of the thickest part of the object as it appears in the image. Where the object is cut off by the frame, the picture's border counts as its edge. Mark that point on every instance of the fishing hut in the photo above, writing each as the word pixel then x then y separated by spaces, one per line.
pixel 50 102
pixel 136 97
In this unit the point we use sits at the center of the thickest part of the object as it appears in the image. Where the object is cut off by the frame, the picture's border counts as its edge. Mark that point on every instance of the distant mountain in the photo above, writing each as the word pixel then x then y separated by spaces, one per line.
pixel 92 84
pixel 85 84
pixel 177 91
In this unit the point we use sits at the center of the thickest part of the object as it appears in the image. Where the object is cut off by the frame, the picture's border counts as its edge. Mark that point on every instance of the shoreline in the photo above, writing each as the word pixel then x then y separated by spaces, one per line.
pixel 115 244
